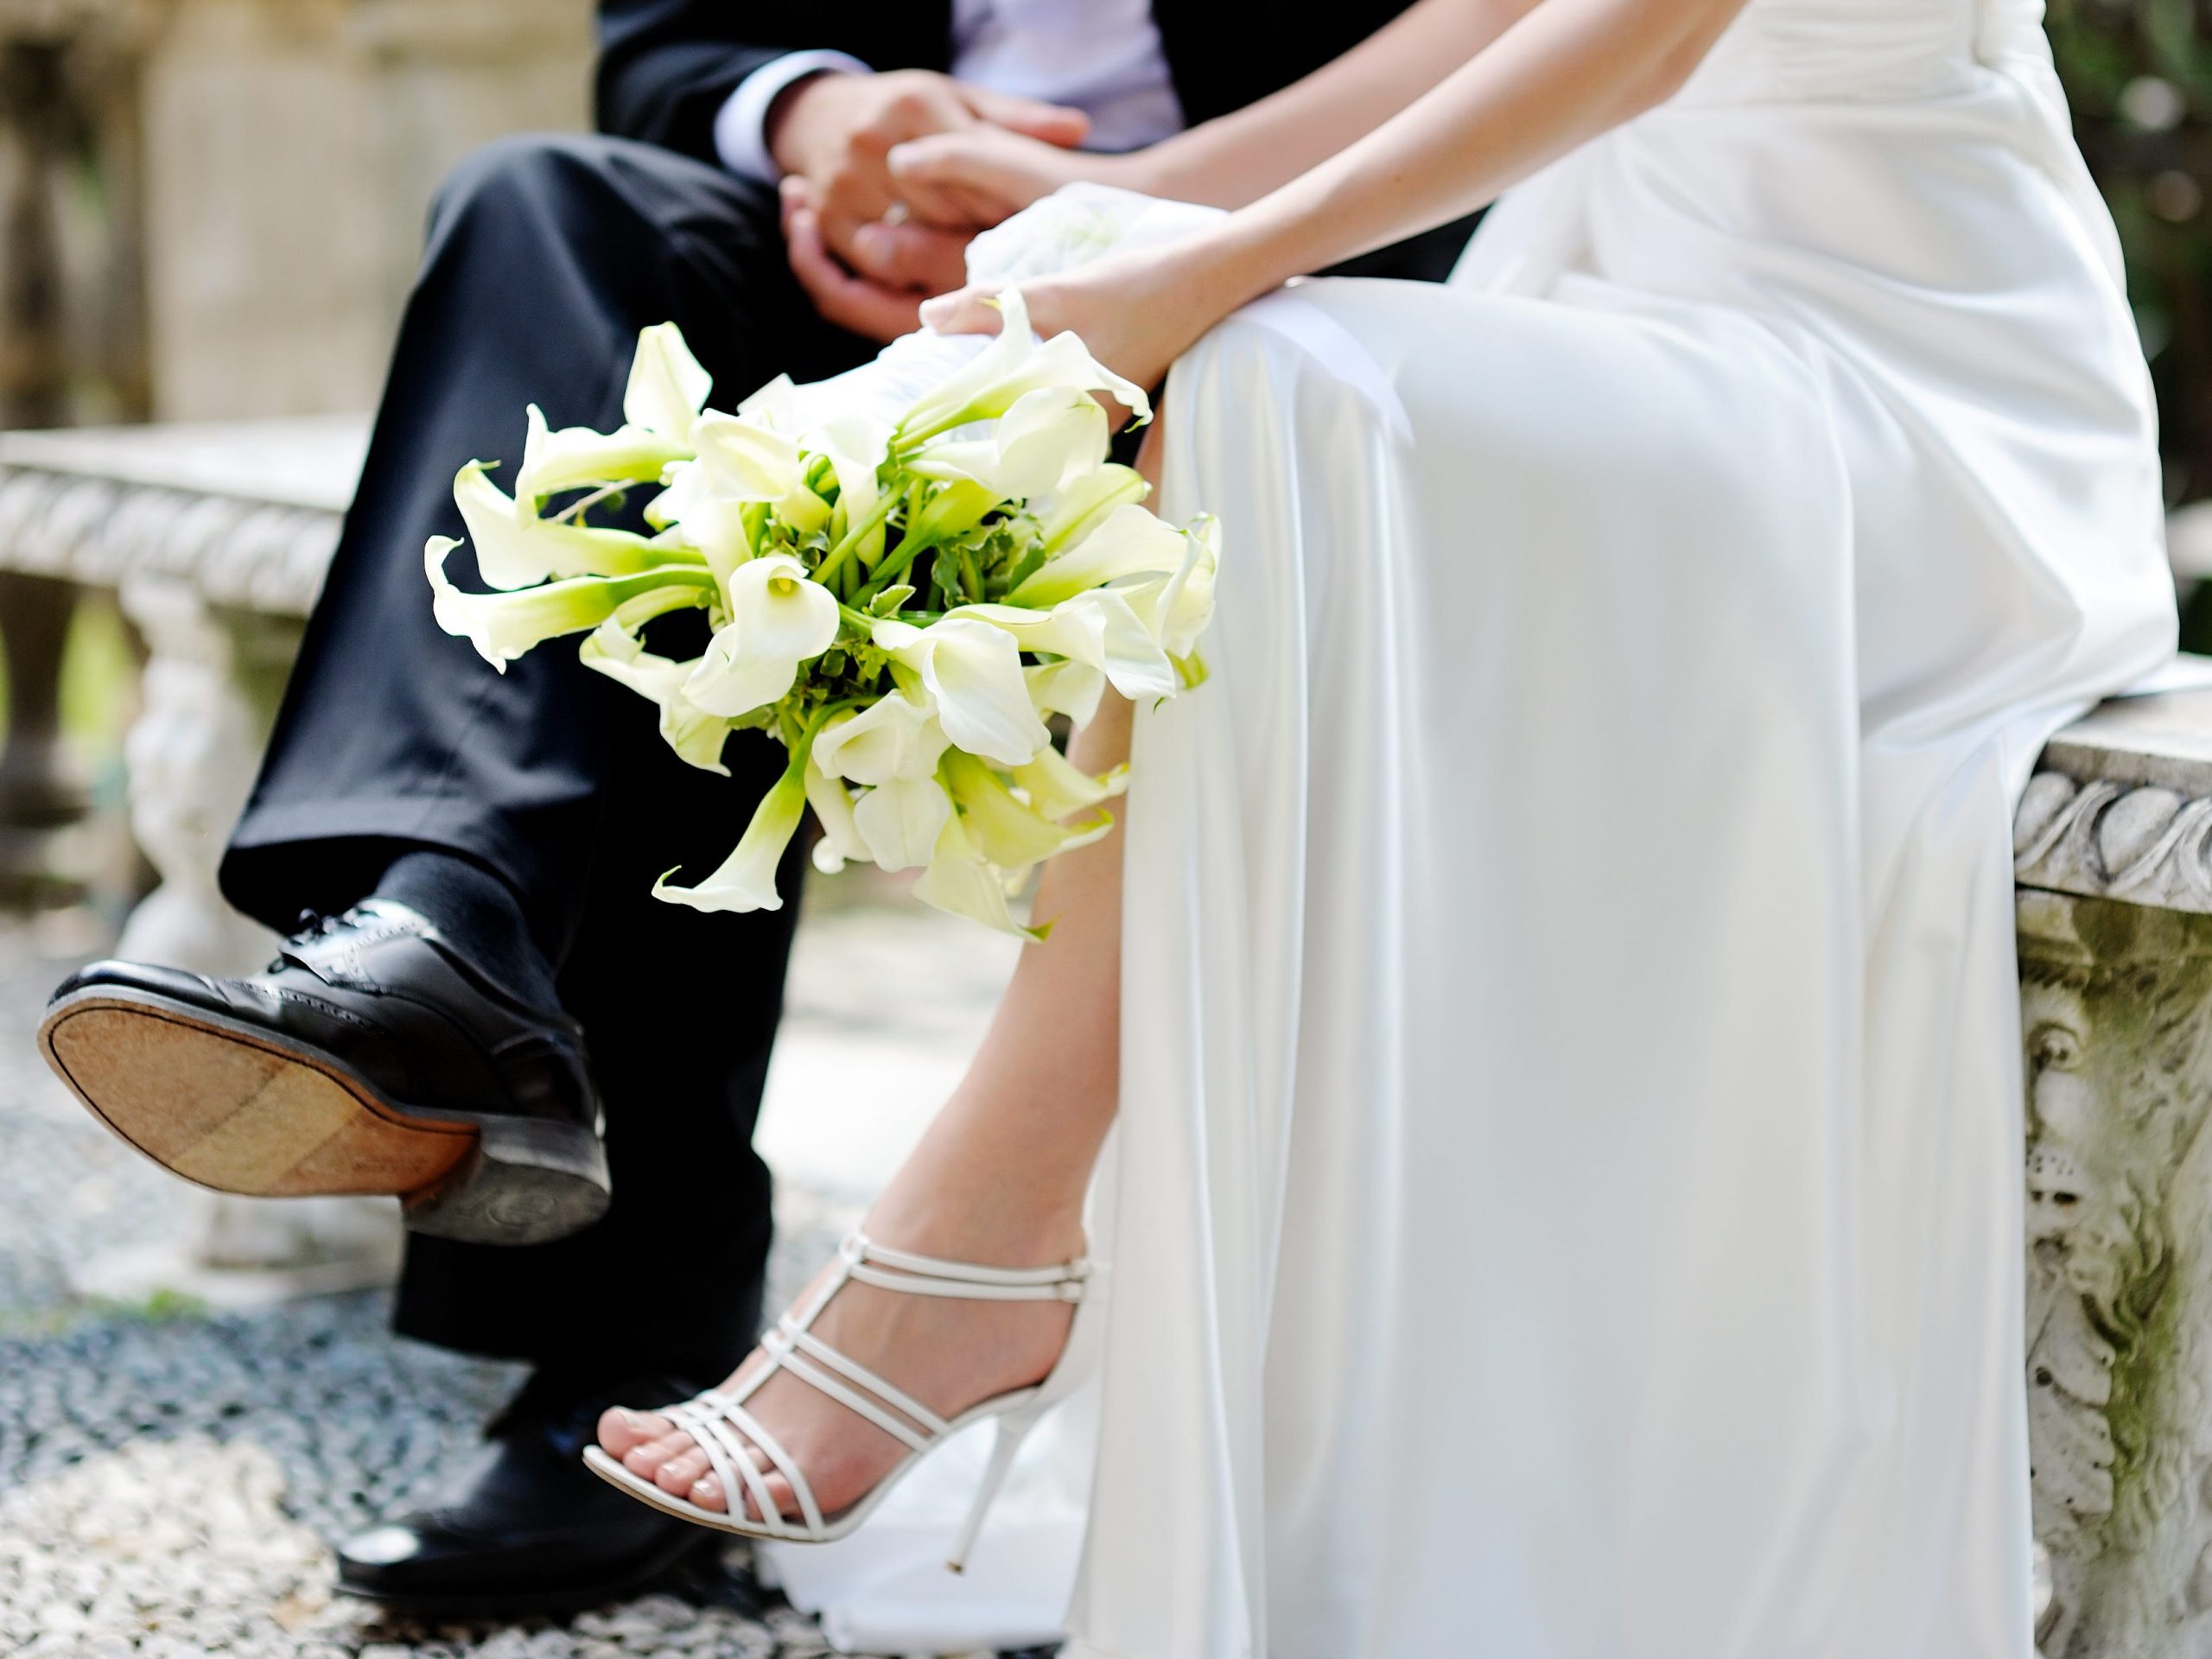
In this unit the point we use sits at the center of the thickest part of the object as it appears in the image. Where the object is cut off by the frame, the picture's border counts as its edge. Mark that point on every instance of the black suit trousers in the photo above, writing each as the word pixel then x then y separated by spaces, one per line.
pixel 546 256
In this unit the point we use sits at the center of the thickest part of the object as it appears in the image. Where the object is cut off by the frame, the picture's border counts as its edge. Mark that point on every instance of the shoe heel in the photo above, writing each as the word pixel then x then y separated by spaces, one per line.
pixel 525 1182
pixel 1010 1431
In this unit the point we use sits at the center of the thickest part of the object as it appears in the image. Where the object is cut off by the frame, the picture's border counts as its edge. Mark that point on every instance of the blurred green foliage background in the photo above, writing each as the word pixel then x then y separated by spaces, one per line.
pixel 2139 76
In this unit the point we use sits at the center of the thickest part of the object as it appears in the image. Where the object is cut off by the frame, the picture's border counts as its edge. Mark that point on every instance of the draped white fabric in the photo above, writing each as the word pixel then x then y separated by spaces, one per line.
pixel 1568 1201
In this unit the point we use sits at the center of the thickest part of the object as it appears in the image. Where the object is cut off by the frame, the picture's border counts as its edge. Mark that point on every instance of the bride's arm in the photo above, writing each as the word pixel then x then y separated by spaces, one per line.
pixel 1237 158
pixel 1561 75
pixel 1564 72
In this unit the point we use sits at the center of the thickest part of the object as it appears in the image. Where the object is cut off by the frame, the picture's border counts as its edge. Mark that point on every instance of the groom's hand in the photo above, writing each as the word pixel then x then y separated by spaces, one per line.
pixel 831 135
pixel 876 307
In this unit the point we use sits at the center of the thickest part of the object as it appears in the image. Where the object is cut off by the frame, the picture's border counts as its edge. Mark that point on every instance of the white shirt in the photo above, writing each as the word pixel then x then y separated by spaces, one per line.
pixel 1100 56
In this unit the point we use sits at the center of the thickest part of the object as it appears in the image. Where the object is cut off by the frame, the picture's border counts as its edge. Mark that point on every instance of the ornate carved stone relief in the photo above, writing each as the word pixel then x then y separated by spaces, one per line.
pixel 2117 1007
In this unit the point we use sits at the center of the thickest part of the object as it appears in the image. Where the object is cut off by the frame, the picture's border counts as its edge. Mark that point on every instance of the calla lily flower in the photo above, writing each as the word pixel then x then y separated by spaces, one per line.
pixel 871 390
pixel 503 626
pixel 1097 628
pixel 1006 830
pixel 1011 366
pixel 575 457
pixel 960 880
pixel 842 841
pixel 901 820
pixel 1067 688
pixel 1081 504
pixel 778 619
pixel 779 405
pixel 667 387
pixel 1129 541
pixel 746 879
pixel 716 524
pixel 1050 438
pixel 1178 608
pixel 614 649
pixel 970 673
pixel 740 462
pixel 1058 788
pixel 516 549
pixel 896 737
pixel 856 444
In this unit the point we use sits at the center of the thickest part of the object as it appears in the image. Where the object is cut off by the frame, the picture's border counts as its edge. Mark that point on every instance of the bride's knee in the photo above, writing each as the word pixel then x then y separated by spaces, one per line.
pixel 1103 742
pixel 1150 451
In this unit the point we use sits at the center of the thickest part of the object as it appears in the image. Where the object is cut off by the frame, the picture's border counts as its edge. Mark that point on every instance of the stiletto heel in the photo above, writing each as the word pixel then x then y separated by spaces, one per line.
pixel 1078 1359
pixel 1010 1431
pixel 734 1441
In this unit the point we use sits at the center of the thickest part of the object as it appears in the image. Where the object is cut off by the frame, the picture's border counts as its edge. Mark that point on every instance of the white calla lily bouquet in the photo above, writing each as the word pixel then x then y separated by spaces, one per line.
pixel 901 596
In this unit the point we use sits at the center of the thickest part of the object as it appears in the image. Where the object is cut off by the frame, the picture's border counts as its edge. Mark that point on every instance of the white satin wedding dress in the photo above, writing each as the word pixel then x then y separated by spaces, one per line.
pixel 1568 1199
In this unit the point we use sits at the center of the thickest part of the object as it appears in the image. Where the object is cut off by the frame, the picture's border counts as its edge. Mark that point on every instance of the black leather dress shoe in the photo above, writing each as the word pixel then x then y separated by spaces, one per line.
pixel 371 1056
pixel 525 1528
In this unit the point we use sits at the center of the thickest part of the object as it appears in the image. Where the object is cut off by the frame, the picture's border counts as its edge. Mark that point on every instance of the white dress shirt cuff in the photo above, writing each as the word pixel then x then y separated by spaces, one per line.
pixel 741 124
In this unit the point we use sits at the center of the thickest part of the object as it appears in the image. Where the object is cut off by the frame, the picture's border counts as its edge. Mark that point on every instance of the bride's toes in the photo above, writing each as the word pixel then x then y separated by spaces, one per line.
pixel 707 1493
pixel 621 1429
pixel 781 1501
pixel 680 1474
pixel 648 1459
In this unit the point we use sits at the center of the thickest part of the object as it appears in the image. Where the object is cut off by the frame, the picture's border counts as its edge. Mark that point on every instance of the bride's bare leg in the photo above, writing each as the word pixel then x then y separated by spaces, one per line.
pixel 999 1179
pixel 1003 1171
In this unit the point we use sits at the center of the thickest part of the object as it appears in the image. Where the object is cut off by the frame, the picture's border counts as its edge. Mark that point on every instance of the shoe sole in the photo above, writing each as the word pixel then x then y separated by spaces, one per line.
pixel 230 1107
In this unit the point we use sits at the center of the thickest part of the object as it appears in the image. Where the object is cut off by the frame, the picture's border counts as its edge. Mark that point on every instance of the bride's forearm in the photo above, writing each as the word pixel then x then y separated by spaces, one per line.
pixel 1561 75
pixel 1558 76
pixel 1237 158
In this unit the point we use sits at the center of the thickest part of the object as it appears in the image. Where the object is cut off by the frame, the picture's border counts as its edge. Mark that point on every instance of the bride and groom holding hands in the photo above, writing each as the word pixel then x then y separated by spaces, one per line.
pixel 1552 993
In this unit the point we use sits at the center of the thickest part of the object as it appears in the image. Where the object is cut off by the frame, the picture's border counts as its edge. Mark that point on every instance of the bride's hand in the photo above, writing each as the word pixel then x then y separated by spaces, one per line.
pixel 1136 313
pixel 995 172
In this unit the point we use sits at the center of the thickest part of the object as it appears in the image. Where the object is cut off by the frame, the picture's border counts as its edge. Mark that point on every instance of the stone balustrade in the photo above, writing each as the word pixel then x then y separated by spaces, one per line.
pixel 2113 848
pixel 215 540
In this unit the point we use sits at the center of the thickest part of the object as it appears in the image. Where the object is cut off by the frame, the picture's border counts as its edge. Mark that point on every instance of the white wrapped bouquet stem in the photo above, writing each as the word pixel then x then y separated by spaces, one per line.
pixel 905 570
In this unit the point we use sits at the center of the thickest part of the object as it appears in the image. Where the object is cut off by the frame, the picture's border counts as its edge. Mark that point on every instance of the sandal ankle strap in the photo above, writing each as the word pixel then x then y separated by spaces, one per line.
pixel 930 1276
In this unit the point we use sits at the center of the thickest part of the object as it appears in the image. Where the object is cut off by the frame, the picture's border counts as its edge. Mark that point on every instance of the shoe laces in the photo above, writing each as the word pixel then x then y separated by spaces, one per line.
pixel 313 925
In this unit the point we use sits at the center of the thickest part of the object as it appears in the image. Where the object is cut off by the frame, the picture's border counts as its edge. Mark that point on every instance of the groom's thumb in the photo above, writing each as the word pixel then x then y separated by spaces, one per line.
pixel 1055 123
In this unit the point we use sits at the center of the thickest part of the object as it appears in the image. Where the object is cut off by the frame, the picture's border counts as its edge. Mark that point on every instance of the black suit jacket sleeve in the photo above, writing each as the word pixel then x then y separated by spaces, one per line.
pixel 667 66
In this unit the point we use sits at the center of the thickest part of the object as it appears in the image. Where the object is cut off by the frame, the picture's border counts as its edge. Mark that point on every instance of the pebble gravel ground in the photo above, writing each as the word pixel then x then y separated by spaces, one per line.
pixel 171 1479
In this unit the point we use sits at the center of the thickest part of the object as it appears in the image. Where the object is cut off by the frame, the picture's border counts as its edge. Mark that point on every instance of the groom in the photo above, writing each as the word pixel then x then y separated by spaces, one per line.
pixel 467 856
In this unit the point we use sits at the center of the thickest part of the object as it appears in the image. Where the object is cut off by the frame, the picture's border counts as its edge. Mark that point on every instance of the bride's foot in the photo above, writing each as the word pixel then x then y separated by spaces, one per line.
pixel 948 1353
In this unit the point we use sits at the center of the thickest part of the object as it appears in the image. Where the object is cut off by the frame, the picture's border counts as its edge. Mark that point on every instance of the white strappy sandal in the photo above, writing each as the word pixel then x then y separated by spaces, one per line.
pixel 718 1423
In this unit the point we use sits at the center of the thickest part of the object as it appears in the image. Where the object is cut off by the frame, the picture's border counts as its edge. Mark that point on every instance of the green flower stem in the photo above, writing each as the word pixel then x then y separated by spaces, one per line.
pixel 855 534
pixel 864 622
pixel 894 567
pixel 799 740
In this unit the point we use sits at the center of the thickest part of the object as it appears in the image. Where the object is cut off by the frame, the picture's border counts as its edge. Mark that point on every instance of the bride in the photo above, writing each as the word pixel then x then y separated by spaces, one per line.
pixel 1555 984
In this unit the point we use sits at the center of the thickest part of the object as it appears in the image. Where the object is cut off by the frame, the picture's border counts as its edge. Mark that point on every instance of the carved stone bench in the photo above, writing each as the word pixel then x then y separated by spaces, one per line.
pixel 217 538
